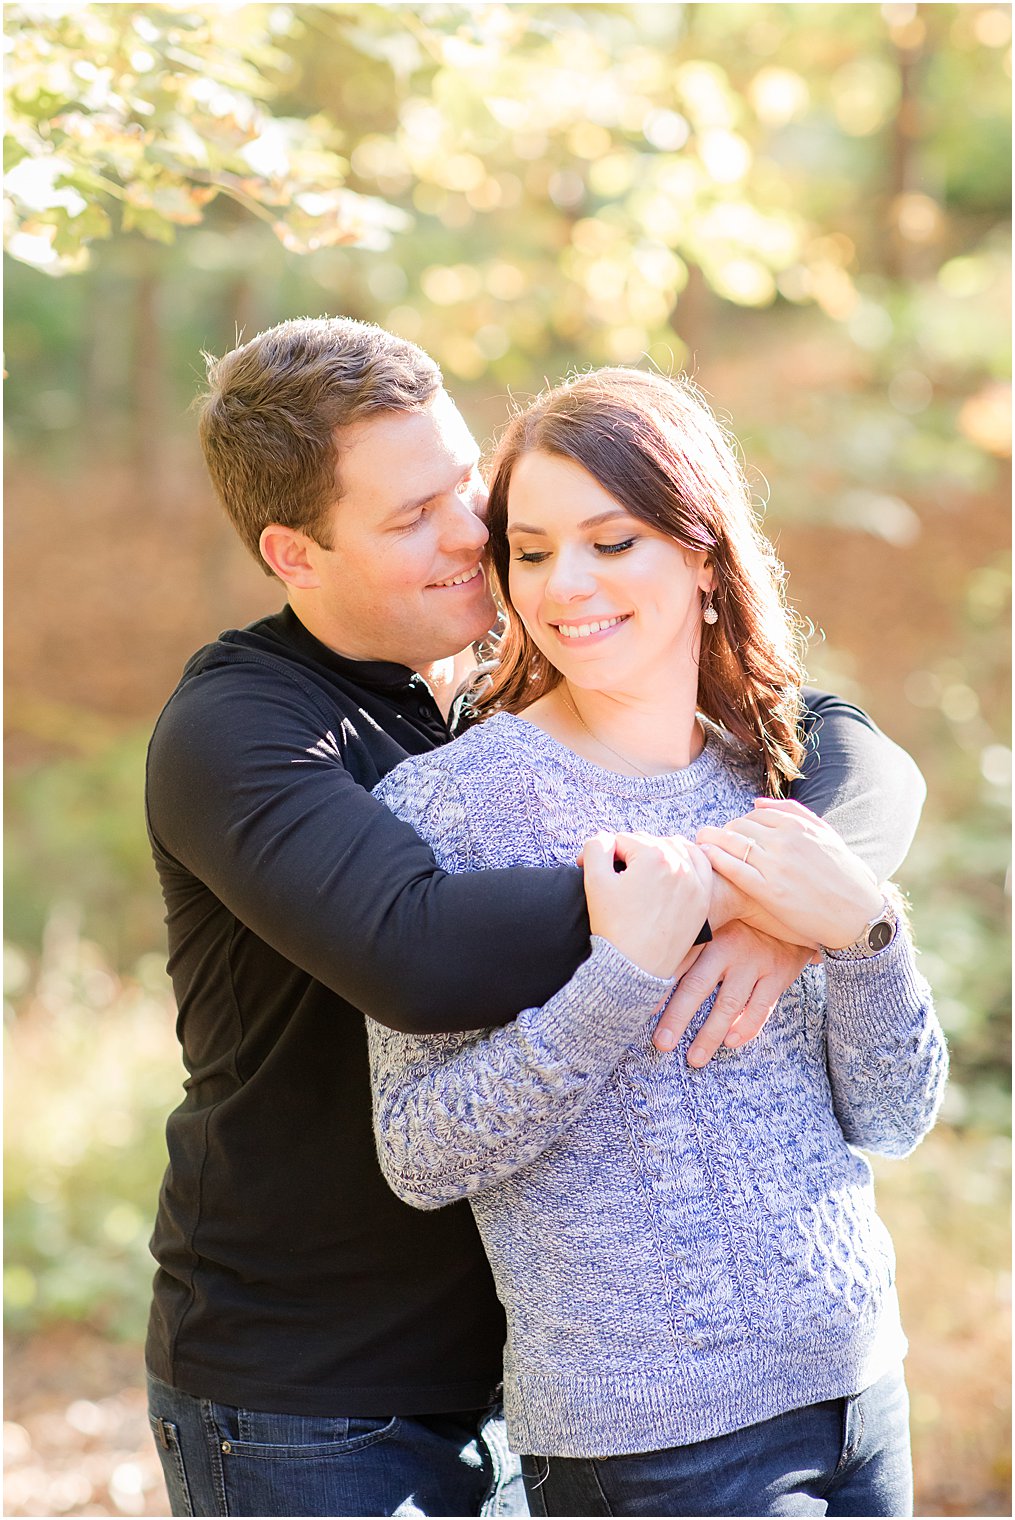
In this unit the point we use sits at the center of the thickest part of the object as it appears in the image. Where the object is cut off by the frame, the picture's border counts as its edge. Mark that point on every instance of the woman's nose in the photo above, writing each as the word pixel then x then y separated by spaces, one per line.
pixel 569 580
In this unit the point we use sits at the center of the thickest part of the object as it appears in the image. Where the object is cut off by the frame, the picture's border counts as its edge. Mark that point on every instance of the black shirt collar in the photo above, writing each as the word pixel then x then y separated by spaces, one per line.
pixel 374 675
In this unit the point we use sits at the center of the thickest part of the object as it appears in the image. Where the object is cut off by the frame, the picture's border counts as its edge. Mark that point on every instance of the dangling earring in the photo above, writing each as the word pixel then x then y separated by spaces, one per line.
pixel 709 615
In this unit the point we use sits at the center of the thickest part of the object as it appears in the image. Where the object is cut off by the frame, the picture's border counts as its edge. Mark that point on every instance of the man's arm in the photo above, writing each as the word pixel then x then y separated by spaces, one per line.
pixel 245 796
pixel 455 1115
pixel 866 787
pixel 242 797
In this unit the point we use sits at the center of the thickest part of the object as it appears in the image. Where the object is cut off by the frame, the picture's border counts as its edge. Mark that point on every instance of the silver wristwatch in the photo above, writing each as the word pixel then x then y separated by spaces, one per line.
pixel 877 936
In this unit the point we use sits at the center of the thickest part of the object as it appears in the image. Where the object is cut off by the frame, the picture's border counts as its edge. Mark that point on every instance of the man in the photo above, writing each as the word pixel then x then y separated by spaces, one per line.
pixel 316 1347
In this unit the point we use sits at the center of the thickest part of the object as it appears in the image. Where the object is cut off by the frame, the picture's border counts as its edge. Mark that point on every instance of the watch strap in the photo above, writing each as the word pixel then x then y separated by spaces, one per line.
pixel 877 935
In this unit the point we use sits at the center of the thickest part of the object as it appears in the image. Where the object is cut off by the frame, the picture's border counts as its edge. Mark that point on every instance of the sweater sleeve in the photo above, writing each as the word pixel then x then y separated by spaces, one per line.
pixel 886 1053
pixel 454 1114
pixel 866 787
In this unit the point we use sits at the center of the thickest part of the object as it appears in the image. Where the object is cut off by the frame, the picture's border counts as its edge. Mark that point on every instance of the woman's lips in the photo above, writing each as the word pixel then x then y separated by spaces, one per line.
pixel 588 629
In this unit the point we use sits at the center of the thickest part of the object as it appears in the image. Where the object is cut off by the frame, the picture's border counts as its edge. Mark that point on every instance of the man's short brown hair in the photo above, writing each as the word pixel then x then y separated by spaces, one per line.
pixel 268 418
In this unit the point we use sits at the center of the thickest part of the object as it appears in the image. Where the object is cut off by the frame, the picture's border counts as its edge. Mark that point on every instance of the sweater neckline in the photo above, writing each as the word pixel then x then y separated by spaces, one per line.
pixel 703 767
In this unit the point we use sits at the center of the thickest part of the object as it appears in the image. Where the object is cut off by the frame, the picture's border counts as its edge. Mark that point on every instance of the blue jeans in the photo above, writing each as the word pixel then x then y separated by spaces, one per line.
pixel 223 1461
pixel 844 1457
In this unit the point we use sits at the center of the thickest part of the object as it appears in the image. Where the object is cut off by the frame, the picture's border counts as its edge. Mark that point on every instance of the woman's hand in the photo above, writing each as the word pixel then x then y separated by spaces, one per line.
pixel 728 904
pixel 653 908
pixel 797 869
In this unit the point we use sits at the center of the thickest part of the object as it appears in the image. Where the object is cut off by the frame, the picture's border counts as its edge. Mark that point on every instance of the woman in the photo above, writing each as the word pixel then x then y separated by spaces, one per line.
pixel 701 1310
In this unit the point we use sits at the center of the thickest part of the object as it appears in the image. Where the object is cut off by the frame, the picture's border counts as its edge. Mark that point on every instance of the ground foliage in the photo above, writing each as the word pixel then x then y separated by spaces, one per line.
pixel 91 1071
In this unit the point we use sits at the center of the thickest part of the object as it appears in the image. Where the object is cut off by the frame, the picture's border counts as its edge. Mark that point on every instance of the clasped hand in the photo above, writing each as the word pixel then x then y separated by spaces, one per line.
pixel 798 888
pixel 649 896
pixel 792 875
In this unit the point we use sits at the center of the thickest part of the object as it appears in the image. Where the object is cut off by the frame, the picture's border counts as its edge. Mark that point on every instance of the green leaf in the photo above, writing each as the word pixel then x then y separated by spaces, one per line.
pixel 150 223
pixel 14 152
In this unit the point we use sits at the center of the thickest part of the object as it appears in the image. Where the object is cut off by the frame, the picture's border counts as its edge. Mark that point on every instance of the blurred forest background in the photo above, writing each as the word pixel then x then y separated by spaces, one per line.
pixel 805 205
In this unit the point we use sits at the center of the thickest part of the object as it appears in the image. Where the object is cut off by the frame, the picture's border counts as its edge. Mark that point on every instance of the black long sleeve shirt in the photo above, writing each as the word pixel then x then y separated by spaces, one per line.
pixel 290 1279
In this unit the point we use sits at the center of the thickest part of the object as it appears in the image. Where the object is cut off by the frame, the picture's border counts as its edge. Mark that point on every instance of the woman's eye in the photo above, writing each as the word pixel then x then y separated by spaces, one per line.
pixel 530 557
pixel 628 543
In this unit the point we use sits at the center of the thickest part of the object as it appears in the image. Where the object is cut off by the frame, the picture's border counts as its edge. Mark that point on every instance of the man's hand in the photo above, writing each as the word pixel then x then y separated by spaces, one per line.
pixel 750 970
pixel 653 908
pixel 796 868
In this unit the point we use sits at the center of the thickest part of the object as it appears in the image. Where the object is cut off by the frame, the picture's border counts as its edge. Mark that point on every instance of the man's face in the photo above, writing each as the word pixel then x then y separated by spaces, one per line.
pixel 403 579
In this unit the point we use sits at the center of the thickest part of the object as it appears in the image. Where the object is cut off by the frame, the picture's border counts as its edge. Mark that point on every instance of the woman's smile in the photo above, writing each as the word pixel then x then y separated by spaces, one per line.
pixel 590 629
pixel 597 588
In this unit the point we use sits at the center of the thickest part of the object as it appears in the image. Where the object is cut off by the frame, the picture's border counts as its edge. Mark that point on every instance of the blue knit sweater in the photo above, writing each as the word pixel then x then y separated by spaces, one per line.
pixel 680 1252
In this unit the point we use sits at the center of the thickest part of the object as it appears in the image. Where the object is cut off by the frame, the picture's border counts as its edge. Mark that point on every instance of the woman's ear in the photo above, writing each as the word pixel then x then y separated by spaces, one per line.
pixel 286 552
pixel 706 575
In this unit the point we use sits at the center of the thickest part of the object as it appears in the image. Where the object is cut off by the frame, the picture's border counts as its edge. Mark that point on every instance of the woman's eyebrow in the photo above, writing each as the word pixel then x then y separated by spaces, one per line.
pixel 589 522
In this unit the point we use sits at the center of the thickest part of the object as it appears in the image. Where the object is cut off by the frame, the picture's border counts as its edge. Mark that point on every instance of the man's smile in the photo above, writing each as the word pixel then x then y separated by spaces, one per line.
pixel 458 580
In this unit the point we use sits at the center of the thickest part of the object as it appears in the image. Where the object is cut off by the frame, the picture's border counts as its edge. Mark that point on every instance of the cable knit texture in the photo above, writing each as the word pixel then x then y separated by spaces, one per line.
pixel 680 1253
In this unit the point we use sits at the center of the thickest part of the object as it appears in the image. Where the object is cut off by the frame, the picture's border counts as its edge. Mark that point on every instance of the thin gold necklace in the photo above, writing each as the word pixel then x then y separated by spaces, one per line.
pixel 601 742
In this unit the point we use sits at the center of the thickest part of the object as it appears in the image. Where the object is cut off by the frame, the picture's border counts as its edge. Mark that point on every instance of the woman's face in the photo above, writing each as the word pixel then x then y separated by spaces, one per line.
pixel 612 603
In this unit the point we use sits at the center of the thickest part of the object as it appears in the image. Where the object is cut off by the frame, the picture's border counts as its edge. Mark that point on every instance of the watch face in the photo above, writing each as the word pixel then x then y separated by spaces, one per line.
pixel 880 935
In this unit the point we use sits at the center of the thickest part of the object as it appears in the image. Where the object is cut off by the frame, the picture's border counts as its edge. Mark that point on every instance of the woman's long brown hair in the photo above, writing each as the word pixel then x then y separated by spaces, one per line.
pixel 654 445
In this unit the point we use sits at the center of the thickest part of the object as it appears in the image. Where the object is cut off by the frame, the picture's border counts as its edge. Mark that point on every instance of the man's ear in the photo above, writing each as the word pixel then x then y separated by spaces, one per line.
pixel 287 552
